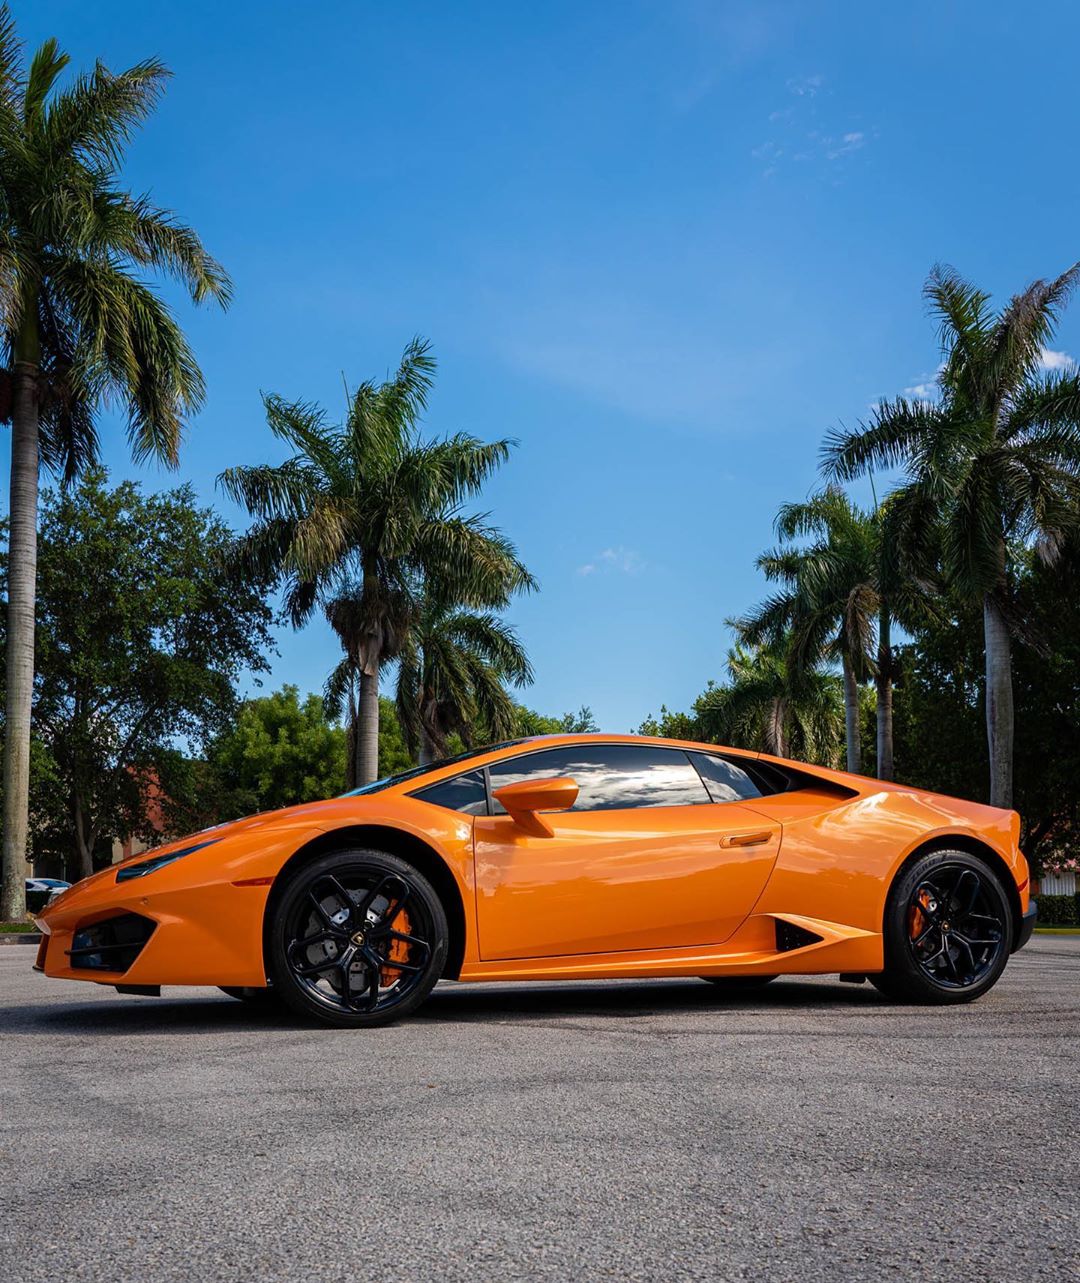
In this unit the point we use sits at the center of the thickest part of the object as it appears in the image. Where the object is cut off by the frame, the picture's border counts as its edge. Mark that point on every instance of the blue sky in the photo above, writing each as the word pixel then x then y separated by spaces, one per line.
pixel 664 245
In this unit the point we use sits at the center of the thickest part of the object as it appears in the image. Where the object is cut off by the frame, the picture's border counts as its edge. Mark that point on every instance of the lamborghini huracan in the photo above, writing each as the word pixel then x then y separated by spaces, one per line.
pixel 563 858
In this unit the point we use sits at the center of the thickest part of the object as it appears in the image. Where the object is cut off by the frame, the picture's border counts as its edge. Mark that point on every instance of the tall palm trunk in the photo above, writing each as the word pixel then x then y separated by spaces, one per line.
pixel 884 682
pixel 999 702
pixel 427 747
pixel 367 765
pixel 22 583
pixel 775 738
pixel 851 718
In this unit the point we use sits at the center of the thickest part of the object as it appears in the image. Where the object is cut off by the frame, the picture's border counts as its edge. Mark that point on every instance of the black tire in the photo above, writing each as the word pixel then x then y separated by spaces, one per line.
pixel 736 983
pixel 948 928
pixel 252 996
pixel 356 938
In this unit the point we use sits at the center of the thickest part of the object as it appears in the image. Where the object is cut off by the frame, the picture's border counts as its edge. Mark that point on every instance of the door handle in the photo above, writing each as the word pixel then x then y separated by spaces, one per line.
pixel 757 838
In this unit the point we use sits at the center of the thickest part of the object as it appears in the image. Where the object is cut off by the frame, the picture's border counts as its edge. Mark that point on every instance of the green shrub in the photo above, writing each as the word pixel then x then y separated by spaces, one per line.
pixel 1059 910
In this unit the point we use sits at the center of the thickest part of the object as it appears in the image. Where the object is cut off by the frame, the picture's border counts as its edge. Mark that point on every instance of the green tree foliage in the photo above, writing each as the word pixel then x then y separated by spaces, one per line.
pixel 280 750
pixel 453 672
pixel 773 705
pixel 991 468
pixel 142 632
pixel 528 722
pixel 364 516
pixel 80 325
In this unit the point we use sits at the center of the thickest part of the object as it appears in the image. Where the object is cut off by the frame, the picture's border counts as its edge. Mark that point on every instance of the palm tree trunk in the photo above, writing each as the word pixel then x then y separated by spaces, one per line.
pixel 367 768
pixel 851 718
pixel 999 702
pixel 427 747
pixel 775 738
pixel 22 587
pixel 884 698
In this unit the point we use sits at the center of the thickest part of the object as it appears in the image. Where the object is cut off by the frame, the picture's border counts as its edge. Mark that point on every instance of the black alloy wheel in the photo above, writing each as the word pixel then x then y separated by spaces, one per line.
pixel 356 938
pixel 948 930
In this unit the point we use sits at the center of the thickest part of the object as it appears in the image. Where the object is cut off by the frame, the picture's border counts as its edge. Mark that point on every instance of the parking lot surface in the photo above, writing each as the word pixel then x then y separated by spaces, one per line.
pixel 655 1131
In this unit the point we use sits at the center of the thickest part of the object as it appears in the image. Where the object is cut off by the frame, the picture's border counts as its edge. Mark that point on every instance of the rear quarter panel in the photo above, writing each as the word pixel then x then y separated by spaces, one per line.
pixel 838 856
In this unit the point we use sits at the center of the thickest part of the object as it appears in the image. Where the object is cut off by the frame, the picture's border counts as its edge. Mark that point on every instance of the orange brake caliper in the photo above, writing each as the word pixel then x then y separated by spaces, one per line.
pixel 398 951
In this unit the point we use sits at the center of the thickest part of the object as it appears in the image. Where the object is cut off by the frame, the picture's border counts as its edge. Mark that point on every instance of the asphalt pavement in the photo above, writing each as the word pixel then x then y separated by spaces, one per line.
pixel 626 1131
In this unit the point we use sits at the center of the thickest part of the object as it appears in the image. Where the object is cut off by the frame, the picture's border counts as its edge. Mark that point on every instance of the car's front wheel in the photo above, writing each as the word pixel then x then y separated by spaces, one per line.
pixel 356 938
pixel 948 926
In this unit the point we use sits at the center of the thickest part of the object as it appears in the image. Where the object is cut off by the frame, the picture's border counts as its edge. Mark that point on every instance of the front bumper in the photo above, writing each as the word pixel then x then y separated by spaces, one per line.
pixel 1026 925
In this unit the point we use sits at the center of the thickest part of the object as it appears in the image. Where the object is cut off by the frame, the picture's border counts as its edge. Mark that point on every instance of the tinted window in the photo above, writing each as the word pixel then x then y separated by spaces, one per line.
pixel 463 793
pixel 609 776
pixel 725 781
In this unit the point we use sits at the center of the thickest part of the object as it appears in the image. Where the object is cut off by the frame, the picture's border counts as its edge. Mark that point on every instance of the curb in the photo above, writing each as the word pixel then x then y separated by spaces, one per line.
pixel 19 937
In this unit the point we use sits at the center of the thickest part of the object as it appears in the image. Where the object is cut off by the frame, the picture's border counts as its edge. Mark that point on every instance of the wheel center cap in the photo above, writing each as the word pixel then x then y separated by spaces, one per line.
pixel 358 938
pixel 944 926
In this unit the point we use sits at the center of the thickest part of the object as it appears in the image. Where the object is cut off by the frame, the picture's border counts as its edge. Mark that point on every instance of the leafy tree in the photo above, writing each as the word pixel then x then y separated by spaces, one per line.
pixel 991 467
pixel 280 751
pixel 364 516
pixel 529 722
pixel 669 725
pixel 773 705
pixel 78 324
pixel 452 676
pixel 142 632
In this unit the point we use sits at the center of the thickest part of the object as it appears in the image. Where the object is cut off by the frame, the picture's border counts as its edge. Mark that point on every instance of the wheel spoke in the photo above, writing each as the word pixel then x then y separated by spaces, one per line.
pixel 931 925
pixel 964 893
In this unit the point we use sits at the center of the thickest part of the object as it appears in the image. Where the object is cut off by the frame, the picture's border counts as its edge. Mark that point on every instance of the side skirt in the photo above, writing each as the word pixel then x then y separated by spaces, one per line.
pixel 766 944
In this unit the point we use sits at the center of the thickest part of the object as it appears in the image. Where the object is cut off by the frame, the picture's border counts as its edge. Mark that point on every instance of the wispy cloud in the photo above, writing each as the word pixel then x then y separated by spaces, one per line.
pixel 1055 361
pixel 806 86
pixel 620 560
pixel 922 391
pixel 807 132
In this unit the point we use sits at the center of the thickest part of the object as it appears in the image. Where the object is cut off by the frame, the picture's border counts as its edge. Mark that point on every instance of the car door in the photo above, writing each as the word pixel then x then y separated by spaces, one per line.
pixel 644 860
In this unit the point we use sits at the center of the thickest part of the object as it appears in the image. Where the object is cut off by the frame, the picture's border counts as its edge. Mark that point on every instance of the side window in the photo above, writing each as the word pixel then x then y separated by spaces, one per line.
pixel 609 776
pixel 725 781
pixel 465 793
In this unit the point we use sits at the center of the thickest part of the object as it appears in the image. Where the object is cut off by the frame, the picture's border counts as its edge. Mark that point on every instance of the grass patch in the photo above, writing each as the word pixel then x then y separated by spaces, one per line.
pixel 9 928
pixel 1057 931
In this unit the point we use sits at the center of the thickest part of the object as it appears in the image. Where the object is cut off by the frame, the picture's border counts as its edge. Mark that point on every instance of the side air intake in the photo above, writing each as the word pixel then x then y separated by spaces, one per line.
pixel 789 936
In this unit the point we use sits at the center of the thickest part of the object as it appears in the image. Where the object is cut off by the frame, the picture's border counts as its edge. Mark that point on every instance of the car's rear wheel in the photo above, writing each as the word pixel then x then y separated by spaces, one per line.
pixel 356 938
pixel 948 925
pixel 738 984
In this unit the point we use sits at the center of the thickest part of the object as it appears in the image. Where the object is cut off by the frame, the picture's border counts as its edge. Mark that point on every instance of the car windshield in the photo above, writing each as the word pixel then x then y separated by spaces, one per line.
pixel 415 772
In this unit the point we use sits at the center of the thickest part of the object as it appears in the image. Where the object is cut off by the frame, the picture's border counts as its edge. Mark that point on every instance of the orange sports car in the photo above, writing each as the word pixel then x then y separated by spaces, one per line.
pixel 563 858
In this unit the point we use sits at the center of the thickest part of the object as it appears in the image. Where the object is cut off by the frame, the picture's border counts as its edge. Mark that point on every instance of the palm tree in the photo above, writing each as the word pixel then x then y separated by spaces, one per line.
pixel 365 514
pixel 774 705
pixel 79 326
pixel 992 464
pixel 452 675
pixel 841 594
pixel 829 603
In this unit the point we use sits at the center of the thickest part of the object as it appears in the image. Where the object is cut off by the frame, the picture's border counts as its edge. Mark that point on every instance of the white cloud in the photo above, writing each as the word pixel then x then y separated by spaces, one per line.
pixel 804 132
pixel 805 86
pixel 1055 361
pixel 849 143
pixel 922 391
pixel 622 560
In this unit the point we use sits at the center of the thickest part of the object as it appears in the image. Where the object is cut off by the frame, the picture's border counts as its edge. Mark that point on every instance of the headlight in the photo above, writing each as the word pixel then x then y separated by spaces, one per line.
pixel 140 870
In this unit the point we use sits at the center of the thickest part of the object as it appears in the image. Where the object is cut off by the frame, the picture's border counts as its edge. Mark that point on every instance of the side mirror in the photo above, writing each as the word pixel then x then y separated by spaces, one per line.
pixel 525 800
